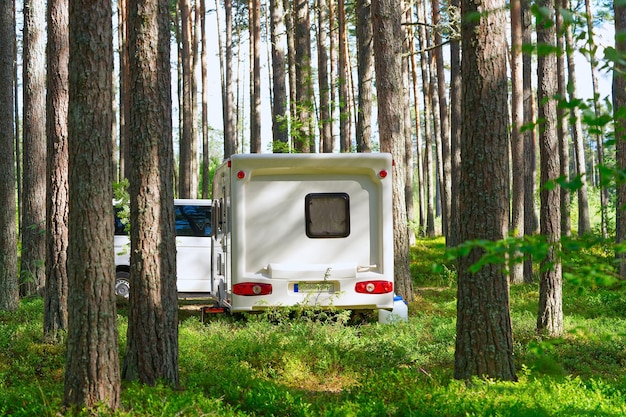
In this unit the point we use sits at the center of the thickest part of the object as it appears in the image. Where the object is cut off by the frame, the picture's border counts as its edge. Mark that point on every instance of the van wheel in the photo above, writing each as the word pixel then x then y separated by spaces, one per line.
pixel 122 284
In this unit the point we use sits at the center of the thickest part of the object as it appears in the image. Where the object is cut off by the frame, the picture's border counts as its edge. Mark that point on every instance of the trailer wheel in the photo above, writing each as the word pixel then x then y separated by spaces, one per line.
pixel 122 284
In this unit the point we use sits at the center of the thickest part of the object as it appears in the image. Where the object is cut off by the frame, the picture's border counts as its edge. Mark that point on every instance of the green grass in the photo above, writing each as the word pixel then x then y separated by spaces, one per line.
pixel 278 365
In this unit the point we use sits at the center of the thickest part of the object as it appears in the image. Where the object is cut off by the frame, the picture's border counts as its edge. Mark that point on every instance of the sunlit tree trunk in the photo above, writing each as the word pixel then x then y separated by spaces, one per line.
pixel 530 153
pixel 332 74
pixel 57 199
pixel 484 339
pixel 365 74
pixel 342 67
pixel 428 127
pixel 619 115
pixel 205 104
pixel 517 139
pixel 325 117
pixel 550 315
pixel 187 128
pixel 386 23
pixel 124 91
pixel 591 55
pixel 9 293
pixel 304 95
pixel 255 76
pixel 228 100
pixel 584 223
pixel 562 122
pixel 454 11
pixel 280 124
pixel 418 127
pixel 444 120
pixel 92 371
pixel 408 129
pixel 152 341
pixel 291 69
pixel 33 255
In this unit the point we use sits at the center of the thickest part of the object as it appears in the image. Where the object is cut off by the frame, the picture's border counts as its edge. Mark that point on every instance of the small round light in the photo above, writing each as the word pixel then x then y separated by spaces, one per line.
pixel 256 289
pixel 382 173
pixel 241 175
pixel 370 287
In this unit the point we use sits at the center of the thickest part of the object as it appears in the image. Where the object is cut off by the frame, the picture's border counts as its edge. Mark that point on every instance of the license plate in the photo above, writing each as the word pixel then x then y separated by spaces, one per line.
pixel 314 287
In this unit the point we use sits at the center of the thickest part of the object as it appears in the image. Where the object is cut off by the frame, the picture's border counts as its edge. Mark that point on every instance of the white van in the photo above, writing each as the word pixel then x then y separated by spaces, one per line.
pixel 194 255
pixel 312 229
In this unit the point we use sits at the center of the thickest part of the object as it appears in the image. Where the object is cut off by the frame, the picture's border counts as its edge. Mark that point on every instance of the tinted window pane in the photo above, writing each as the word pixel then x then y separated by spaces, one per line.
pixel 193 221
pixel 327 215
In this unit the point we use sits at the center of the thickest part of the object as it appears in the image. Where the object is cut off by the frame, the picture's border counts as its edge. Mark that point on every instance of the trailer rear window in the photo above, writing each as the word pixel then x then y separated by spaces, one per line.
pixel 327 215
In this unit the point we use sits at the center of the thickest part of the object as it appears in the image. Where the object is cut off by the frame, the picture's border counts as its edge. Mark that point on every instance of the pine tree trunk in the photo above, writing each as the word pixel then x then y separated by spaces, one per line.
pixel 386 23
pixel 484 341
pixel 365 75
pixel 92 372
pixel 452 238
pixel 584 223
pixel 9 292
pixel 428 141
pixel 304 98
pixel 152 346
pixel 280 129
pixel 33 272
pixel 550 316
pixel 530 140
pixel 255 97
pixel 57 99
pixel 343 74
pixel 187 127
pixel 619 114
pixel 446 164
pixel 562 123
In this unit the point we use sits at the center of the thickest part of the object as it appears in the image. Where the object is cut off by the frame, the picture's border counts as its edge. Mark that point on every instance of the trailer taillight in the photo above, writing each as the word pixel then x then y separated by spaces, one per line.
pixel 382 173
pixel 252 288
pixel 374 287
pixel 241 175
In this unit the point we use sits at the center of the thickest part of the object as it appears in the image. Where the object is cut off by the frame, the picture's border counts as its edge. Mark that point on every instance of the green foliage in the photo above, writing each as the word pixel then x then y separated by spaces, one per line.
pixel 304 362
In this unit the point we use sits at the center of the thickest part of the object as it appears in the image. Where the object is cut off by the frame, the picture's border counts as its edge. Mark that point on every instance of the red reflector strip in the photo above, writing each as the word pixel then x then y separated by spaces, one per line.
pixel 374 287
pixel 252 288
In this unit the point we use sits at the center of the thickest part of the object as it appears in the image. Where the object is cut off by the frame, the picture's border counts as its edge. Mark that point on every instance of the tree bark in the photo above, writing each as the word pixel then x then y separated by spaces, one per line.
pixel 386 23
pixel 428 126
pixel 343 81
pixel 57 201
pixel 304 95
pixel 484 342
pixel 187 127
pixel 516 268
pixel 92 375
pixel 152 347
pixel 255 76
pixel 530 140
pixel 365 74
pixel 325 116
pixel 584 223
pixel 444 120
pixel 593 62
pixel 33 272
pixel 619 115
pixel 452 238
pixel 562 122
pixel 280 126
pixel 550 315
pixel 9 286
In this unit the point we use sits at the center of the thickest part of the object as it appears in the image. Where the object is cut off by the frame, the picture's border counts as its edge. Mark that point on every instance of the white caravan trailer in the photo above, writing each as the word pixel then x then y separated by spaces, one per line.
pixel 312 229
pixel 194 258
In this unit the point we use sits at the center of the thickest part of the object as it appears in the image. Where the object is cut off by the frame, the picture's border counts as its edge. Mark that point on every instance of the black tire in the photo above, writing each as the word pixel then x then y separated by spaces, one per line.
pixel 122 284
